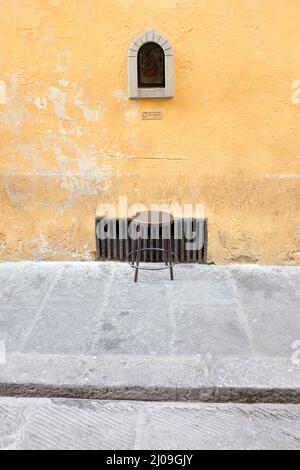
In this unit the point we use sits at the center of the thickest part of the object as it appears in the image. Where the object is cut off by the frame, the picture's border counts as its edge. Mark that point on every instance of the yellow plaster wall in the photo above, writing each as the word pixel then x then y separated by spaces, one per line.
pixel 70 139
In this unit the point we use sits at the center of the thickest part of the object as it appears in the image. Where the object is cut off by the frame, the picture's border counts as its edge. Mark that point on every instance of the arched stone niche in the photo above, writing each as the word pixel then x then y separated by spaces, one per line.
pixel 151 67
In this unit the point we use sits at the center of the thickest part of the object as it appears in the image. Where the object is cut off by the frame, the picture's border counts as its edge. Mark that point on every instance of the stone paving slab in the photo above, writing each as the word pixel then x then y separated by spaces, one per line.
pixel 222 331
pixel 55 424
pixel 270 306
pixel 26 284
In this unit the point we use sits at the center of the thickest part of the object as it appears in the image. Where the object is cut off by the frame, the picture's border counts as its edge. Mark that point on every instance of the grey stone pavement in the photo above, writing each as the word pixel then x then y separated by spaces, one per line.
pixel 85 330
pixel 44 424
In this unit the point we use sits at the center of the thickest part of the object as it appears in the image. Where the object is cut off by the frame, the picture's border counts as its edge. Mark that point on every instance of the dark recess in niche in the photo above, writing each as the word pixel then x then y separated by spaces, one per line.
pixel 151 66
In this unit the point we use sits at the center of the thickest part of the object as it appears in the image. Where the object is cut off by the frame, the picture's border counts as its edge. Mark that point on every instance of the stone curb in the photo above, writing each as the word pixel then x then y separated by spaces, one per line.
pixel 151 378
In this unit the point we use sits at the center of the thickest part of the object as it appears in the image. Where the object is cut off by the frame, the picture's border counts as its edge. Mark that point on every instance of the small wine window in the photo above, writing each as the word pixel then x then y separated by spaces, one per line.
pixel 150 67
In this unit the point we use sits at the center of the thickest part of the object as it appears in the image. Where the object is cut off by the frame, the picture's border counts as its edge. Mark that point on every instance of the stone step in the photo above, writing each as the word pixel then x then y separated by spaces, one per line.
pixel 157 378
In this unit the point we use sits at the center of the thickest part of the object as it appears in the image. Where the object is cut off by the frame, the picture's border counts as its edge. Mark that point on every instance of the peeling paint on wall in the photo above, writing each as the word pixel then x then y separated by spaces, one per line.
pixel 14 116
pixel 133 114
pixel 120 95
pixel 41 103
pixel 283 176
pixel 59 100
pixel 2 242
pixel 63 82
pixel 88 114
pixel 2 92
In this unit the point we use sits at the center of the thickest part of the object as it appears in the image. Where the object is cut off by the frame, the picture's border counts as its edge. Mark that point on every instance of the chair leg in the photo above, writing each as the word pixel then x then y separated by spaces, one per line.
pixel 134 253
pixel 138 257
pixel 170 259
pixel 166 251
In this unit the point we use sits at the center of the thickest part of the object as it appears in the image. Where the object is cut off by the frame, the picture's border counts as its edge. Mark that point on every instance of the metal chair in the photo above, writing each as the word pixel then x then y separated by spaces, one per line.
pixel 152 221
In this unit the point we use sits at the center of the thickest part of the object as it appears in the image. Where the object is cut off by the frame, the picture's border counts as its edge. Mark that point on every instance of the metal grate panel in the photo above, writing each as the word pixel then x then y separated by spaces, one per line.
pixel 117 247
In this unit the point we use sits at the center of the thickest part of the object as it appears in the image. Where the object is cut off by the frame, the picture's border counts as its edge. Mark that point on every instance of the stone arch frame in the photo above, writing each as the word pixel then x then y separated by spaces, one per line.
pixel 133 88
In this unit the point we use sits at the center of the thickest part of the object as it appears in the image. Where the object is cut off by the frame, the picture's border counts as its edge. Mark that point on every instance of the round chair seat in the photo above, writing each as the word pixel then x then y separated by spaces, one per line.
pixel 150 218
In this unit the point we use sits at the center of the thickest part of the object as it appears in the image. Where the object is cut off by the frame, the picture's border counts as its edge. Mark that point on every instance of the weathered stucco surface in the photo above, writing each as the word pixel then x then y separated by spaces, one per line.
pixel 70 139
